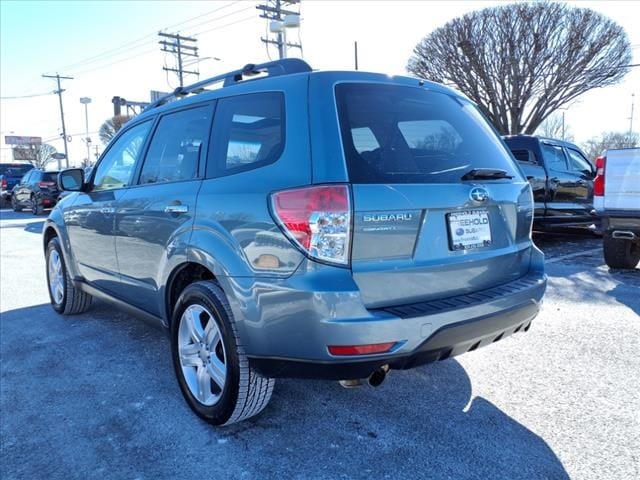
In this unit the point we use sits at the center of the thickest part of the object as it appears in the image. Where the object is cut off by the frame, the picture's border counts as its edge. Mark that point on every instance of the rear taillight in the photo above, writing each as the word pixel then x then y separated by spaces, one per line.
pixel 46 184
pixel 598 182
pixel 316 219
pixel 4 182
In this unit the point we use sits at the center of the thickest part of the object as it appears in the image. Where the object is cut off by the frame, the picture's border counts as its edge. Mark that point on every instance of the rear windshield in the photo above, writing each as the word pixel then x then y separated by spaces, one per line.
pixel 50 177
pixel 395 134
pixel 14 170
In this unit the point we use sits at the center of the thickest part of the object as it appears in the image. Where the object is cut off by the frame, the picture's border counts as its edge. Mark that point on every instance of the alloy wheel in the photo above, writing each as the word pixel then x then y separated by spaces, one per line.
pixel 202 354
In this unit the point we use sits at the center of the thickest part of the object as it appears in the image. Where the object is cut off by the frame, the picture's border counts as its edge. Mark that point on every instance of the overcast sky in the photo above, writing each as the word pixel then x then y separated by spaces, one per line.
pixel 111 48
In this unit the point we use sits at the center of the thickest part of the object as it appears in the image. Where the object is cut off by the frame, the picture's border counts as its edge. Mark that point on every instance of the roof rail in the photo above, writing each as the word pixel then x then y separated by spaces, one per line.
pixel 285 66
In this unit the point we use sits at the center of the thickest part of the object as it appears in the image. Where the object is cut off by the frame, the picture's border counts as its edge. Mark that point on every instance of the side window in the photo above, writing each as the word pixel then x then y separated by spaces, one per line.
pixel 364 140
pixel 248 132
pixel 430 135
pixel 177 146
pixel 554 157
pixel 116 167
pixel 525 156
pixel 577 162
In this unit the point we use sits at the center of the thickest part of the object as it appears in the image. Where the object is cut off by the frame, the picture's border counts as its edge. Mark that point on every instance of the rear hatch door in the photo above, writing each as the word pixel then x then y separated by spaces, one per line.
pixel 440 208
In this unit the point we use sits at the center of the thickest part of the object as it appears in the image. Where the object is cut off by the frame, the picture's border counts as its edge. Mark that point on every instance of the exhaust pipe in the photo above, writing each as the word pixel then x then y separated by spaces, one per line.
pixel 351 383
pixel 378 376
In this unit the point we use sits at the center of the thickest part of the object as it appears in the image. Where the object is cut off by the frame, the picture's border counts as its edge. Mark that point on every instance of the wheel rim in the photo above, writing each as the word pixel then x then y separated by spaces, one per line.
pixel 56 277
pixel 202 355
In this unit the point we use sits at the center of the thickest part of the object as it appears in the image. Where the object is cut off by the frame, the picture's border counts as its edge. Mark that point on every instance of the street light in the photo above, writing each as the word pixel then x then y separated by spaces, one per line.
pixel 86 101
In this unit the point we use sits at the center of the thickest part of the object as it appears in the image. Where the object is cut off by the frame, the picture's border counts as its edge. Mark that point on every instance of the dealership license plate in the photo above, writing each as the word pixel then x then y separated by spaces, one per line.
pixel 469 229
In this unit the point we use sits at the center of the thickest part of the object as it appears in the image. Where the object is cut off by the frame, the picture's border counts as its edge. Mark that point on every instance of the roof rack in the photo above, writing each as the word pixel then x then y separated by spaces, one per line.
pixel 285 66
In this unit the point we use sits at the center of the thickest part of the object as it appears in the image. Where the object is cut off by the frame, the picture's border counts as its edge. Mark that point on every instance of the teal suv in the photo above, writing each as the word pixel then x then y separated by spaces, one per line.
pixel 293 223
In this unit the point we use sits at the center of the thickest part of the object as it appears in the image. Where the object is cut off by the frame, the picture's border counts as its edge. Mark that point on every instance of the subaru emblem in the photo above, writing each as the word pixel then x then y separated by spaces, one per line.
pixel 478 194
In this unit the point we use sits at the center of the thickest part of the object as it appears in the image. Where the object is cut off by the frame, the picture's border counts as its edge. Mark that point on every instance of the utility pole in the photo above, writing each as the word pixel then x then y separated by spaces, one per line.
pixel 272 10
pixel 633 95
pixel 177 46
pixel 355 52
pixel 64 130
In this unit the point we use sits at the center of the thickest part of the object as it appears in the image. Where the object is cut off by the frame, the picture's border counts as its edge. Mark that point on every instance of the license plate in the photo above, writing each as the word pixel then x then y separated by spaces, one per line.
pixel 469 229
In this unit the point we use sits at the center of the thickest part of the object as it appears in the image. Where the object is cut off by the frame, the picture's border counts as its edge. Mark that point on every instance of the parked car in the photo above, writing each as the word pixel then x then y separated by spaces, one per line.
pixel 36 191
pixel 617 201
pixel 302 224
pixel 10 175
pixel 561 177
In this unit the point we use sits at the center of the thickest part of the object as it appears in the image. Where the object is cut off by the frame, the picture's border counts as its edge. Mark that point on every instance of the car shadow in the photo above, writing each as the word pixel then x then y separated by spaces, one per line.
pixel 95 394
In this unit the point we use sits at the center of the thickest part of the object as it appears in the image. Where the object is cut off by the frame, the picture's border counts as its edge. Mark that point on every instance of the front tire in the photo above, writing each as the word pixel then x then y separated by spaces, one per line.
pixel 620 253
pixel 209 360
pixel 65 297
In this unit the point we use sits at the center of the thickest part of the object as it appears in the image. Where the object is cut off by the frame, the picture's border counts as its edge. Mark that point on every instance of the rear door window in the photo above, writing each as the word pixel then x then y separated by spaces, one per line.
pixel 177 146
pixel 554 157
pixel 397 134
pixel 248 132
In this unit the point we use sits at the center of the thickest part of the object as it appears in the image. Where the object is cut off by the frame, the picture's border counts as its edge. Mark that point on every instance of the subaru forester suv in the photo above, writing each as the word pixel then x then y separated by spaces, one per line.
pixel 301 224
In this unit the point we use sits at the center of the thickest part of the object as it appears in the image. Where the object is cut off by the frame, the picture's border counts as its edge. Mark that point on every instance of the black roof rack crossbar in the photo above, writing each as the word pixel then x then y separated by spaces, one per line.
pixel 283 66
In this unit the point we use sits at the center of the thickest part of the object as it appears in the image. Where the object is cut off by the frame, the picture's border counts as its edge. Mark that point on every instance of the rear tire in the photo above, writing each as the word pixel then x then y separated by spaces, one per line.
pixel 212 368
pixel 65 298
pixel 620 253
pixel 14 204
pixel 36 206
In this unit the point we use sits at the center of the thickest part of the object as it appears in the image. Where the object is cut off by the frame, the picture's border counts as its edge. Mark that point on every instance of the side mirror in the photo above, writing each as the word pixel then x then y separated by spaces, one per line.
pixel 71 180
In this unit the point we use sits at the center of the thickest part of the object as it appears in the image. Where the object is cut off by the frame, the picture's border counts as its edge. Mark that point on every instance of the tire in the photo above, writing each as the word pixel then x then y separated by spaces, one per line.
pixel 620 253
pixel 36 207
pixel 65 298
pixel 14 204
pixel 209 360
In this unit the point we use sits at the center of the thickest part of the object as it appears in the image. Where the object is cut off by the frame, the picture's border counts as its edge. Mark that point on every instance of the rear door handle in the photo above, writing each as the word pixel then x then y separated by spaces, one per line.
pixel 176 209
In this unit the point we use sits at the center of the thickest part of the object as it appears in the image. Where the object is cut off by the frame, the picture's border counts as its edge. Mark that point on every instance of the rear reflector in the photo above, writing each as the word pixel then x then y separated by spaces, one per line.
pixel 360 349
pixel 317 219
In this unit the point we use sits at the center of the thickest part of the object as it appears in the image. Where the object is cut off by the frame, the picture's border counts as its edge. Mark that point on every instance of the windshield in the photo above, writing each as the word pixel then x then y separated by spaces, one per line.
pixel 394 134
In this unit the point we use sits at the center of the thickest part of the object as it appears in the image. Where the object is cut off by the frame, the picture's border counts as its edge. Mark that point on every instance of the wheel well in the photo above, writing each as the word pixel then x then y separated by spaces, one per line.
pixel 48 235
pixel 186 275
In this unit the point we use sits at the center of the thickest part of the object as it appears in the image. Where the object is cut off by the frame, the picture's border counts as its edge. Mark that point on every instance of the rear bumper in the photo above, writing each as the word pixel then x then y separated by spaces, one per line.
pixel 449 341
pixel 286 328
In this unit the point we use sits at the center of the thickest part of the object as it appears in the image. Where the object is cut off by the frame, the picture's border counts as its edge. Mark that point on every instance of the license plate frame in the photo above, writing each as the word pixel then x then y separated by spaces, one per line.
pixel 469 229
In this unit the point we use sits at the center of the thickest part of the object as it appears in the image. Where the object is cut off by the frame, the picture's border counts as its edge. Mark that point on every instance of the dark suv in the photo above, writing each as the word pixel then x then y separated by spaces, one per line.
pixel 301 224
pixel 36 191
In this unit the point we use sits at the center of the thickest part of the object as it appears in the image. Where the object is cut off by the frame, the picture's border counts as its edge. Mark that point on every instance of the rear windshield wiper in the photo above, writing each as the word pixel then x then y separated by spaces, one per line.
pixel 485 174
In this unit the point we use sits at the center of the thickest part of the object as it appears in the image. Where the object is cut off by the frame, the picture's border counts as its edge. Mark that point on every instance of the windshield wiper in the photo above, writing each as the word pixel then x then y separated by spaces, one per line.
pixel 485 174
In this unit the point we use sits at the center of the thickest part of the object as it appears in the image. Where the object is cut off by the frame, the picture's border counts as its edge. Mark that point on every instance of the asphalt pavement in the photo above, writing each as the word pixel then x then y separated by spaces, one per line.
pixel 94 395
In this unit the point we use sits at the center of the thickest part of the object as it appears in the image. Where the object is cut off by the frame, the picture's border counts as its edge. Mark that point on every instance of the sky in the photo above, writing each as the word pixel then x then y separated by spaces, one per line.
pixel 110 48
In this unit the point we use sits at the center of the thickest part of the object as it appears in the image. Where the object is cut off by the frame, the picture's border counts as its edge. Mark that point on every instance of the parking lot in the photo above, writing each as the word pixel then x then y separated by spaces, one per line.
pixel 94 396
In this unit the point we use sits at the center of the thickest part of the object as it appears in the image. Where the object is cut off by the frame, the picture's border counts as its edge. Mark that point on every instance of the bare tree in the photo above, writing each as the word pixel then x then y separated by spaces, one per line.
pixel 37 155
pixel 555 127
pixel 111 126
pixel 520 62
pixel 596 145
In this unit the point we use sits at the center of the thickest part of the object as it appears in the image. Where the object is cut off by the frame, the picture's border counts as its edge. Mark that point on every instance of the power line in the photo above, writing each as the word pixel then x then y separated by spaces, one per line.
pixel 223 26
pixel 118 50
pixel 28 96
